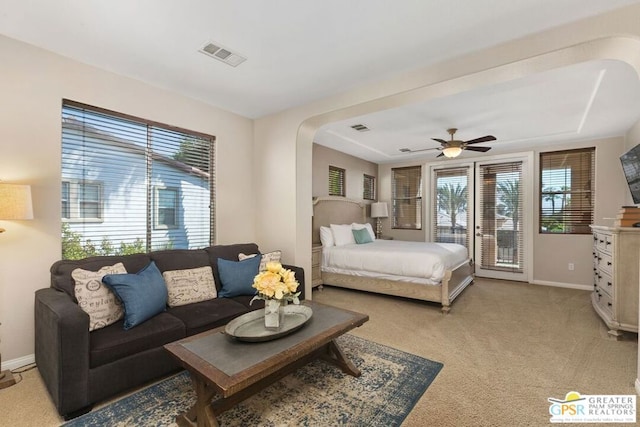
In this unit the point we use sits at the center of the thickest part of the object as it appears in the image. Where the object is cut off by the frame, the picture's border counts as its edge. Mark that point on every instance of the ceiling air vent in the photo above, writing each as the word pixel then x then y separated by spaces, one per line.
pixel 360 128
pixel 222 54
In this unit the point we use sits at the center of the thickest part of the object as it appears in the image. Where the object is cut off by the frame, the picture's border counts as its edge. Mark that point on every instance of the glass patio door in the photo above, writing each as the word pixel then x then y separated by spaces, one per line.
pixel 452 203
pixel 501 218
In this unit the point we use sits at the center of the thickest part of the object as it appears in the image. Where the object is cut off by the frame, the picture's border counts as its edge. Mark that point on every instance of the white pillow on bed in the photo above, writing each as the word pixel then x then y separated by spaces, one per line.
pixel 326 237
pixel 368 226
pixel 342 234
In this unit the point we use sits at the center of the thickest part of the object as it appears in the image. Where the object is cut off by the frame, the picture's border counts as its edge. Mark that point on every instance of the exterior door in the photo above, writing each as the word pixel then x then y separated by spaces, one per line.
pixel 501 221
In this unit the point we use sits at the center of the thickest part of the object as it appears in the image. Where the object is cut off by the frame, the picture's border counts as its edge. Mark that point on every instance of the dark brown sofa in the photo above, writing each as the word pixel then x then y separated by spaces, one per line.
pixel 81 368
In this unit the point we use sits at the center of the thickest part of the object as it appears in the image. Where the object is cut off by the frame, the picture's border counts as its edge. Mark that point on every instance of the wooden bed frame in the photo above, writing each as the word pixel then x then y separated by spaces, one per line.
pixel 339 210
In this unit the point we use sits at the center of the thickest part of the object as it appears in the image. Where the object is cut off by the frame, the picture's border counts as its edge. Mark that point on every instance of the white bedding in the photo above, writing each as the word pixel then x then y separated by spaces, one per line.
pixel 422 260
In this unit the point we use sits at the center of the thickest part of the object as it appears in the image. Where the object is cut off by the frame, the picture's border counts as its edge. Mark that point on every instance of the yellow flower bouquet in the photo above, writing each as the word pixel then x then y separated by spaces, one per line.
pixel 276 283
pixel 276 286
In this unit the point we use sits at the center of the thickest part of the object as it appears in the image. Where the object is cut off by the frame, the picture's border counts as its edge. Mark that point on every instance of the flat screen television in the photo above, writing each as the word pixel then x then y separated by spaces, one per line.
pixel 631 168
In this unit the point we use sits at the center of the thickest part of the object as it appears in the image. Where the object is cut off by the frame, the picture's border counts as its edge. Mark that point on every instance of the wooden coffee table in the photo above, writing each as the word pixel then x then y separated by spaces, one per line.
pixel 235 370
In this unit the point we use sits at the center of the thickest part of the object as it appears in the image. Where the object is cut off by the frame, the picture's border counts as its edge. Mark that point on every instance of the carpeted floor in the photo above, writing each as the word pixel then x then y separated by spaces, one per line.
pixel 317 394
pixel 506 348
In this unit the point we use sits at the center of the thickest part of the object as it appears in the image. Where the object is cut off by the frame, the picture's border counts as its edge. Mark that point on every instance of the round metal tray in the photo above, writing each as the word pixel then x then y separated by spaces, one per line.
pixel 250 326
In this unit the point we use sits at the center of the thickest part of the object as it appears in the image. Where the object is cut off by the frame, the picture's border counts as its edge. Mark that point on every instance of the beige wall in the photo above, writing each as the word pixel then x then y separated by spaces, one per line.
pixel 33 83
pixel 354 167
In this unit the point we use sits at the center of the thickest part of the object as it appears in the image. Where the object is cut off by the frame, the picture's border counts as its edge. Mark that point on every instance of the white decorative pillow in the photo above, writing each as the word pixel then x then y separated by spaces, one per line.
pixel 342 234
pixel 95 298
pixel 273 256
pixel 326 237
pixel 368 226
pixel 189 286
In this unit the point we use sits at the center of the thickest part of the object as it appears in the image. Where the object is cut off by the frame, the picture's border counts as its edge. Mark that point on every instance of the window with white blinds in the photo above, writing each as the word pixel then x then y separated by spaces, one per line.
pixel 131 185
pixel 406 192
pixel 369 187
pixel 501 217
pixel 450 206
pixel 336 181
pixel 567 191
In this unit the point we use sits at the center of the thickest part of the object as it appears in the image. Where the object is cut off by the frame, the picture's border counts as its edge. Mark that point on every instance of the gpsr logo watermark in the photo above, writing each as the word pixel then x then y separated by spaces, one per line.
pixel 576 408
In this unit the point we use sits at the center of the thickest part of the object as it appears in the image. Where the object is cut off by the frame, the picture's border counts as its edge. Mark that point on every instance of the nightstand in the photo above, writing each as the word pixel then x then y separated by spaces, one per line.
pixel 316 258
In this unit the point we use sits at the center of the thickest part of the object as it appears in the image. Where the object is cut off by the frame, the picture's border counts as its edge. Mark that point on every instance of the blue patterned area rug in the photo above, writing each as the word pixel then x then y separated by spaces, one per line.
pixel 318 394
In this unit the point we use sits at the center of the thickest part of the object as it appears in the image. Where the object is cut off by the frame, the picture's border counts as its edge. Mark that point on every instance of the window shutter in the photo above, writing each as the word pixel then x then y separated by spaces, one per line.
pixel 114 170
pixel 406 192
pixel 567 191
pixel 336 181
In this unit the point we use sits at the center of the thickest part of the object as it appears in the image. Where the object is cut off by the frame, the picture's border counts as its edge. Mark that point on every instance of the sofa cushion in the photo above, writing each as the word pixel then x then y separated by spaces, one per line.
pixel 144 294
pixel 202 316
pixel 189 286
pixel 237 276
pixel 95 298
pixel 228 252
pixel 113 342
pixel 61 270
pixel 273 256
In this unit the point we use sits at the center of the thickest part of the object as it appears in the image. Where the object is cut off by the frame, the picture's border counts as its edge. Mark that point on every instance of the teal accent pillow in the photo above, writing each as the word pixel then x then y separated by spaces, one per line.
pixel 362 236
pixel 143 294
pixel 237 277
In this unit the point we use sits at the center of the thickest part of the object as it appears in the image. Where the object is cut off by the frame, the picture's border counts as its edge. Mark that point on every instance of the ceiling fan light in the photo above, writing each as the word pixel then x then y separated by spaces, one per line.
pixel 451 152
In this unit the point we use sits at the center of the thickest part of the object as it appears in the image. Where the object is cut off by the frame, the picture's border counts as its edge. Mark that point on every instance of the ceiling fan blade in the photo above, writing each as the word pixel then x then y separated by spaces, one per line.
pixel 482 149
pixel 481 139
pixel 441 141
pixel 440 155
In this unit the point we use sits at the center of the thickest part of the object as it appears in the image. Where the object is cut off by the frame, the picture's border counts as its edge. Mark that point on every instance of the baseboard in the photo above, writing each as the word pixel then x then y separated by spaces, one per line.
pixel 637 386
pixel 563 285
pixel 19 362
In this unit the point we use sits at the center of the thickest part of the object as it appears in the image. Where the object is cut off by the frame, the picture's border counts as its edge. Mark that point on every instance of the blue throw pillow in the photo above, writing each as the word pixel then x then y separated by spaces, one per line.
pixel 143 294
pixel 237 277
pixel 362 236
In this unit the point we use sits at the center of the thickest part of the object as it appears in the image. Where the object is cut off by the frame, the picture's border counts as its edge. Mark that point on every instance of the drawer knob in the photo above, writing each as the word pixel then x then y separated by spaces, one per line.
pixel 601 241
pixel 608 283
pixel 608 262
pixel 609 304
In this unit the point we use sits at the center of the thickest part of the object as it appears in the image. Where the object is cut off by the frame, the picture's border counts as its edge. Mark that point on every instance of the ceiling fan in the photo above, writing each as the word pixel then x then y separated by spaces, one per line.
pixel 454 147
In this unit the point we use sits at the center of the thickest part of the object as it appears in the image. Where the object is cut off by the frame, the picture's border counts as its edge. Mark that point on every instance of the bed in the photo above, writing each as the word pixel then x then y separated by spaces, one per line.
pixel 439 271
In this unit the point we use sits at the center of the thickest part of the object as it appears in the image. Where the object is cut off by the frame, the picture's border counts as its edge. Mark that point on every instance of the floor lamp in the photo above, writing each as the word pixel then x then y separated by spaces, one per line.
pixel 15 203
pixel 379 211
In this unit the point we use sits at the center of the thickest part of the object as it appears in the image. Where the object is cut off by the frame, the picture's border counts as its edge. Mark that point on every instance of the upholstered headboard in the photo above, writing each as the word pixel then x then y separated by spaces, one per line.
pixel 336 210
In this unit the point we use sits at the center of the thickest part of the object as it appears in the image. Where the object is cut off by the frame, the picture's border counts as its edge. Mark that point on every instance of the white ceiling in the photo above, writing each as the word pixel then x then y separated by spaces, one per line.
pixel 301 51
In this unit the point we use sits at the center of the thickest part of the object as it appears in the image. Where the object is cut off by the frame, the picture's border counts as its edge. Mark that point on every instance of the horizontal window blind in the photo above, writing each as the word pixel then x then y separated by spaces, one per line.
pixel 406 192
pixel 369 187
pixel 336 181
pixel 450 206
pixel 567 180
pixel 123 176
pixel 501 217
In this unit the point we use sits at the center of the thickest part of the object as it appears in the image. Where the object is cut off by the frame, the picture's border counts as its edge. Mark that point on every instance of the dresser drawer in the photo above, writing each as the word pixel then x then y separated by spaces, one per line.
pixel 605 302
pixel 604 282
pixel 603 242
pixel 604 262
pixel 316 257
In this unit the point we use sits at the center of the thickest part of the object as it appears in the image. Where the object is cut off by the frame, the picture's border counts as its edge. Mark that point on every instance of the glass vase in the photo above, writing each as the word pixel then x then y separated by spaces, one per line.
pixel 273 314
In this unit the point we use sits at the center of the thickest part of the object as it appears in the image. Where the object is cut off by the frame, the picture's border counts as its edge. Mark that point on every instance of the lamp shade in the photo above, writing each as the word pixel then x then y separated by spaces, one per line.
pixel 15 202
pixel 379 210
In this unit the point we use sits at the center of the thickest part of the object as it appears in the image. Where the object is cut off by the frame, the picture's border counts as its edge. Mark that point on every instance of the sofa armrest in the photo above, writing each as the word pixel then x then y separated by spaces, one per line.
pixel 62 349
pixel 299 272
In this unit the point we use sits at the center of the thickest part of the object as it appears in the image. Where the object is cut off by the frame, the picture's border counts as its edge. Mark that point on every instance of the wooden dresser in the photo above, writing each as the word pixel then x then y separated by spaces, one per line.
pixel 616 271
